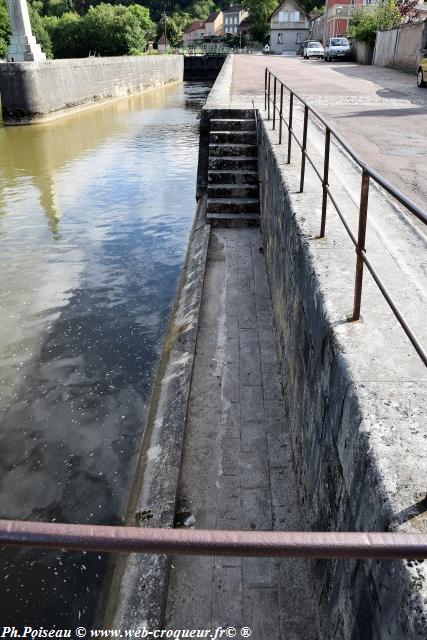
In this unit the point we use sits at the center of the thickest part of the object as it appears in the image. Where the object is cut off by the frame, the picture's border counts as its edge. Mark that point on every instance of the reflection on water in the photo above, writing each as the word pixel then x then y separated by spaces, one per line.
pixel 95 211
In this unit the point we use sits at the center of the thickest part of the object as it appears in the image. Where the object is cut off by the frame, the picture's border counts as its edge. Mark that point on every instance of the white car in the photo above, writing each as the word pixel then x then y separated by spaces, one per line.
pixel 313 49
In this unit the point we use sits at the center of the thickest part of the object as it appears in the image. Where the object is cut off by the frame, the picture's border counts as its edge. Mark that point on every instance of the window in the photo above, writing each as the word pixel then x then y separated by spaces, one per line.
pixel 296 16
pixel 283 16
pixel 299 38
pixel 279 38
pixel 235 19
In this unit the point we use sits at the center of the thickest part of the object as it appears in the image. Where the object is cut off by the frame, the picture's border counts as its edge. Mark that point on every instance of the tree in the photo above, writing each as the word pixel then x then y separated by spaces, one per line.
pixel 39 30
pixel 66 33
pixel 365 22
pixel 363 26
pixel 112 30
pixel 388 15
pixel 202 8
pixel 4 29
pixel 259 18
pixel 408 9
pixel 57 7
pixel 145 22
pixel 175 26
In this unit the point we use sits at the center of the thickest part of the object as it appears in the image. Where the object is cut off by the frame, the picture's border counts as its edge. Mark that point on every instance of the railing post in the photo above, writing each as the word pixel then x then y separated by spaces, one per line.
pixel 291 110
pixel 281 113
pixel 274 102
pixel 265 89
pixel 303 150
pixel 325 182
pixel 268 99
pixel 360 248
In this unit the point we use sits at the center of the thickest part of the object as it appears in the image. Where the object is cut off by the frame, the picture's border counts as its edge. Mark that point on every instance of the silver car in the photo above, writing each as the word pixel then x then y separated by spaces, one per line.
pixel 313 49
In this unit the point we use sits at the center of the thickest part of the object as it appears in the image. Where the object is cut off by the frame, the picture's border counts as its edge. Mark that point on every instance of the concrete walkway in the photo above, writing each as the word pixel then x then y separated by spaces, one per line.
pixel 380 112
pixel 237 468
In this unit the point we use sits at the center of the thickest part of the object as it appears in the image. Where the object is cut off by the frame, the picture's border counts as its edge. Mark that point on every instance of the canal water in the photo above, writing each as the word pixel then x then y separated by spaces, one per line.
pixel 95 214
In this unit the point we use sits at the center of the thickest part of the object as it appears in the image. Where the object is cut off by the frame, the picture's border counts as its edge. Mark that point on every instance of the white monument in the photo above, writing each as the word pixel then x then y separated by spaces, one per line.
pixel 23 45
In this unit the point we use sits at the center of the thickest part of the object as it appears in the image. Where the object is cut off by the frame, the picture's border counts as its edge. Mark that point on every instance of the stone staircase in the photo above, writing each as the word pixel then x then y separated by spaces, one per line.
pixel 233 195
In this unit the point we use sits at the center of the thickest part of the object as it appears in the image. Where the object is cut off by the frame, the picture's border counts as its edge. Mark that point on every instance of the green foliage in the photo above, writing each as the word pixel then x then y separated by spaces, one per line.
pixel 365 22
pixel 56 7
pixel 388 14
pixel 175 26
pixel 363 26
pixel 4 29
pixel 142 14
pixel 312 6
pixel 202 8
pixel 112 30
pixel 40 32
pixel 259 13
pixel 68 38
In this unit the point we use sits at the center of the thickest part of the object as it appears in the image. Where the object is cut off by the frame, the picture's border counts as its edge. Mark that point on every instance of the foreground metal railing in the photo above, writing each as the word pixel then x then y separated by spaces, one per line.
pixel 294 544
pixel 274 99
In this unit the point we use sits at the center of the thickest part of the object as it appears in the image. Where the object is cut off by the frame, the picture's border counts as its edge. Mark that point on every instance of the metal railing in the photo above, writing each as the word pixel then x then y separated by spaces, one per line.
pixel 274 99
pixel 204 542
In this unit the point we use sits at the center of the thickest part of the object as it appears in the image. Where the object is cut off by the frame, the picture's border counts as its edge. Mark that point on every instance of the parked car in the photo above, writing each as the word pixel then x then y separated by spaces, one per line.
pixel 313 49
pixel 337 48
pixel 422 70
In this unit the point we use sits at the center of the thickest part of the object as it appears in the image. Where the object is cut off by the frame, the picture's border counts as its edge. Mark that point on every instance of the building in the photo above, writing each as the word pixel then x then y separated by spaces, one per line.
pixel 214 25
pixel 338 15
pixel 244 27
pixel 163 44
pixel 289 28
pixel 194 33
pixel 233 16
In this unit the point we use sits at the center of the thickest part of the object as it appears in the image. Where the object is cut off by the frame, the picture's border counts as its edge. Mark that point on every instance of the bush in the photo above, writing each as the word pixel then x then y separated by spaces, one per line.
pixel 363 26
pixel 4 29
pixel 365 22
pixel 112 30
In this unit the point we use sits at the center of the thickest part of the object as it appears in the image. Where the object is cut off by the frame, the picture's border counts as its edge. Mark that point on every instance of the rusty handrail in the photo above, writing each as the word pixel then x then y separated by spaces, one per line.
pixel 368 173
pixel 204 542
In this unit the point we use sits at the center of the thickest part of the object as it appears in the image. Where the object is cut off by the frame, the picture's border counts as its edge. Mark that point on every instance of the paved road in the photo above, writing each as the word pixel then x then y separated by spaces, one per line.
pixel 381 112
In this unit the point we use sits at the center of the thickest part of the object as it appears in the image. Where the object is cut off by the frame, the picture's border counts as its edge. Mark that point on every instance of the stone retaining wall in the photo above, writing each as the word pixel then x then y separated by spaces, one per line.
pixel 401 47
pixel 354 411
pixel 35 91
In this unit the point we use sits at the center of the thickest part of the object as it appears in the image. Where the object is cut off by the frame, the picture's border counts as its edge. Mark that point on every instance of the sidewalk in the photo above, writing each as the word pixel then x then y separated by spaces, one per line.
pixel 237 467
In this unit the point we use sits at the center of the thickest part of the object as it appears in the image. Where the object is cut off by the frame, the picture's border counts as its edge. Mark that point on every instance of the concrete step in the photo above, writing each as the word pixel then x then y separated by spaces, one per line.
pixel 232 176
pixel 233 162
pixel 233 205
pixel 233 149
pixel 230 137
pixel 236 124
pixel 233 219
pixel 234 114
pixel 236 190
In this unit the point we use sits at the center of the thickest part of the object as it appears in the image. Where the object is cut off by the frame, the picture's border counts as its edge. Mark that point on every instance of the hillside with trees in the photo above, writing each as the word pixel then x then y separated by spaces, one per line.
pixel 78 28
